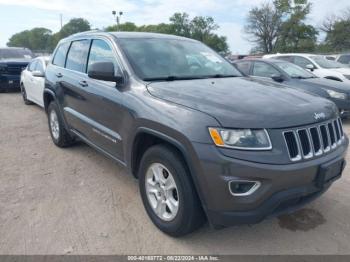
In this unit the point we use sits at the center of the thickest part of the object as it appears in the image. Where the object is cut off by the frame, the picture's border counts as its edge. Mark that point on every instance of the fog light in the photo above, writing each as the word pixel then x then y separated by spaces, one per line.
pixel 243 188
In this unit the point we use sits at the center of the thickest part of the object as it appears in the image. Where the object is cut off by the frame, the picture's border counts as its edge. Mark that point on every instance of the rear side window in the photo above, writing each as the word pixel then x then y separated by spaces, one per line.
pixel 101 52
pixel 244 67
pixel 285 58
pixel 60 56
pixel 77 55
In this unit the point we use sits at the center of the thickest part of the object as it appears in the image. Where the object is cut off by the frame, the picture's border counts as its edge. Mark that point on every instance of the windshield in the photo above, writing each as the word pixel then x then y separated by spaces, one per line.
pixel 16 54
pixel 325 63
pixel 293 70
pixel 169 59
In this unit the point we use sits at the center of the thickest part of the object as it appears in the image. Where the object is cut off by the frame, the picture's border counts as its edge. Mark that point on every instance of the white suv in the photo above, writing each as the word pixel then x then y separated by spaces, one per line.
pixel 319 65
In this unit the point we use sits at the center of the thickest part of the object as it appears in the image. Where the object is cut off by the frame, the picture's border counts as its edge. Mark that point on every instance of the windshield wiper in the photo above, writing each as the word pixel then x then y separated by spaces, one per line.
pixel 174 78
pixel 170 78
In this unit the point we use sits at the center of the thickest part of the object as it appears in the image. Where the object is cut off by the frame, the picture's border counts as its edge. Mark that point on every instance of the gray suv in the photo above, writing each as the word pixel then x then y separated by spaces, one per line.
pixel 204 142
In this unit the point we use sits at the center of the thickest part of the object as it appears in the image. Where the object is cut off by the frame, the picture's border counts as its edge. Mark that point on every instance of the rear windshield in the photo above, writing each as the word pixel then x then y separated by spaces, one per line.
pixel 16 54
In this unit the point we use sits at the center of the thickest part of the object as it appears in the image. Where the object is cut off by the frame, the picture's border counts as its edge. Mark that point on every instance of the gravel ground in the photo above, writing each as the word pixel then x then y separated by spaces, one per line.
pixel 76 201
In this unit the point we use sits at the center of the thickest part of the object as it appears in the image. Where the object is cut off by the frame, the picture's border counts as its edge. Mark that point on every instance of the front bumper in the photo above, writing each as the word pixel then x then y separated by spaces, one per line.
pixel 10 82
pixel 284 188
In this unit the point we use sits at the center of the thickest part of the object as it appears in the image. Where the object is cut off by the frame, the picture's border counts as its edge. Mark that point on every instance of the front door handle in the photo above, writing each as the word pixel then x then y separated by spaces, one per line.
pixel 83 83
pixel 59 75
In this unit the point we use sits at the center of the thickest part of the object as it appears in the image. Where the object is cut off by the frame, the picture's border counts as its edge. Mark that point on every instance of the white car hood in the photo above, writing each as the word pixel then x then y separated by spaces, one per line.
pixel 344 71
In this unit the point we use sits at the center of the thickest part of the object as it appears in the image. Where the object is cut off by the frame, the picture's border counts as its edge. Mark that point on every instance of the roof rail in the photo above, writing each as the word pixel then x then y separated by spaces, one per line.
pixel 86 32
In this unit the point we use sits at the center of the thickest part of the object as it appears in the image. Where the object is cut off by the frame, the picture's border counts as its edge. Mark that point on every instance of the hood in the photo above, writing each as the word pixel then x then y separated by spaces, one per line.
pixel 343 70
pixel 245 102
pixel 15 61
pixel 328 84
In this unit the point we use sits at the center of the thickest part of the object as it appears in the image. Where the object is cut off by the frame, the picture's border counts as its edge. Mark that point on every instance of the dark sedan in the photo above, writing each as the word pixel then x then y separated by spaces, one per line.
pixel 296 77
pixel 12 62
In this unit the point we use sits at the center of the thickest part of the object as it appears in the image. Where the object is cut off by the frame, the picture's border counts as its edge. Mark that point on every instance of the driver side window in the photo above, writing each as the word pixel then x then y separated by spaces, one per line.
pixel 101 52
pixel 264 70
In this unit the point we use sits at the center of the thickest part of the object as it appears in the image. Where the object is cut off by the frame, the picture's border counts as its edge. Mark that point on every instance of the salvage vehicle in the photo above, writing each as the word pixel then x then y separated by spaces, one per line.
pixel 203 141
pixel 12 61
pixel 33 81
pixel 296 77
pixel 318 65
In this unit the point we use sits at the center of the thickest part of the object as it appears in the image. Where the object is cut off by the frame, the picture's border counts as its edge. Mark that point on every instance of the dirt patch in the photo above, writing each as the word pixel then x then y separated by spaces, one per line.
pixel 303 220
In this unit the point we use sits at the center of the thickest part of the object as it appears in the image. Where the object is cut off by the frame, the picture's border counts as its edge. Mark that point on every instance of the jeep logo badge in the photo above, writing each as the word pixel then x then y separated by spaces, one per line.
pixel 318 116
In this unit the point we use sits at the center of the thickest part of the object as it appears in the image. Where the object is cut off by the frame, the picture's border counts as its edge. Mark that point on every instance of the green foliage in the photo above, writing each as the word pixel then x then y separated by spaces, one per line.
pixel 199 28
pixel 37 38
pixel 337 31
pixel 42 38
pixel 281 27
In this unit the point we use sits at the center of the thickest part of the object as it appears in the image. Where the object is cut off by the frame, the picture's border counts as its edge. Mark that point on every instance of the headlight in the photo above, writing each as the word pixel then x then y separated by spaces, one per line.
pixel 335 94
pixel 245 139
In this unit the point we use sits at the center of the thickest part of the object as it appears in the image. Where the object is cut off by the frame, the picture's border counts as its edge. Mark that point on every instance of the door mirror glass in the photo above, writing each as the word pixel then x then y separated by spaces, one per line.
pixel 310 67
pixel 104 71
pixel 277 78
pixel 38 73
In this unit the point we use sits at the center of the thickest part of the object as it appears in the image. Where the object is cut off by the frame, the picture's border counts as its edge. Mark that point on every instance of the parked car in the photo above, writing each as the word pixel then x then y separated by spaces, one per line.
pixel 318 65
pixel 343 59
pixel 33 81
pixel 12 61
pixel 296 77
pixel 203 141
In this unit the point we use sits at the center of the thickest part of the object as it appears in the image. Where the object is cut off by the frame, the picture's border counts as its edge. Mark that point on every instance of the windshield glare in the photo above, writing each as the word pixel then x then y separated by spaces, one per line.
pixel 15 54
pixel 325 63
pixel 153 58
pixel 294 70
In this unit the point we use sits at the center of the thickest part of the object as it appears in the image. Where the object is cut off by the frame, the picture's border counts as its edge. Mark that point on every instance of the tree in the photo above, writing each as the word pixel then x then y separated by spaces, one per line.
pixel 337 31
pixel 199 28
pixel 280 27
pixel 263 26
pixel 295 35
pixel 36 39
pixel 75 25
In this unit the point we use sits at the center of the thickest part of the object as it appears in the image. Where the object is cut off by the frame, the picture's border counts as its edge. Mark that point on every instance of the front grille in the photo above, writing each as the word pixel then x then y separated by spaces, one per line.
pixel 14 69
pixel 308 142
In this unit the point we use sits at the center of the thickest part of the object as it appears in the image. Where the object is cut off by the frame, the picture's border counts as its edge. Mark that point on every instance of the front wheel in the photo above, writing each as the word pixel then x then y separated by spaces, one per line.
pixel 24 95
pixel 168 193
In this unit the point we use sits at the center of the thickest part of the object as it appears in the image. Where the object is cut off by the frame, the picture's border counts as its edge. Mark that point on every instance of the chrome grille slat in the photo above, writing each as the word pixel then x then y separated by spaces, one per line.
pixel 308 142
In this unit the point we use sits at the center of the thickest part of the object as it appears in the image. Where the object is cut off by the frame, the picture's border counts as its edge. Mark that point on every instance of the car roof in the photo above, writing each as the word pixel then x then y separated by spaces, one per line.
pixel 121 35
pixel 14 48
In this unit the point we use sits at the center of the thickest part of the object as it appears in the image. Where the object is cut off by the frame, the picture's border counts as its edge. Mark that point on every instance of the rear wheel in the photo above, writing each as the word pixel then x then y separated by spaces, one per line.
pixel 59 134
pixel 24 95
pixel 168 193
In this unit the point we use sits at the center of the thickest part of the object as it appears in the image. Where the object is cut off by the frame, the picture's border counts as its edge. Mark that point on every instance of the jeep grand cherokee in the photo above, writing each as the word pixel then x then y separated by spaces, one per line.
pixel 203 141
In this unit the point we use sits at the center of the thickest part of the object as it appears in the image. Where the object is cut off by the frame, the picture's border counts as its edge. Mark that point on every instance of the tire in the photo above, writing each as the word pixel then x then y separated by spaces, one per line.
pixel 58 132
pixel 24 96
pixel 188 216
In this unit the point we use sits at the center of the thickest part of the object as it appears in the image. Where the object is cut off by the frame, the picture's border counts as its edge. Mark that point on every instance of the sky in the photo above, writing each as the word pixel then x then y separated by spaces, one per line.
pixel 230 15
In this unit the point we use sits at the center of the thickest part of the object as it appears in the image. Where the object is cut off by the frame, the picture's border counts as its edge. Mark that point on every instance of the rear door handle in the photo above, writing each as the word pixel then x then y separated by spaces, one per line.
pixel 83 83
pixel 59 75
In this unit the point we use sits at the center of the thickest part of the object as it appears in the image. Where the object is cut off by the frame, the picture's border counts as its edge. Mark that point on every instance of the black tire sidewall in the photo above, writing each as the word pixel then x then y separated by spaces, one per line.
pixel 188 201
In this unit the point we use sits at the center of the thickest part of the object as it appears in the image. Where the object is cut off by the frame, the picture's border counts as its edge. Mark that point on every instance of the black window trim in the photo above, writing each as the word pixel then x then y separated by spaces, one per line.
pixel 87 57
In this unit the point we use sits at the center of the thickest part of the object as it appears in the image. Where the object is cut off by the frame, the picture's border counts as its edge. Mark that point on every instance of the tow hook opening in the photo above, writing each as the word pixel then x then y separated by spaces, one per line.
pixel 243 187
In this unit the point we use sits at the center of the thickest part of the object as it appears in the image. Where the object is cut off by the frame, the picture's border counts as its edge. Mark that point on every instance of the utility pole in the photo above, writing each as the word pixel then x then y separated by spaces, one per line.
pixel 117 18
pixel 61 20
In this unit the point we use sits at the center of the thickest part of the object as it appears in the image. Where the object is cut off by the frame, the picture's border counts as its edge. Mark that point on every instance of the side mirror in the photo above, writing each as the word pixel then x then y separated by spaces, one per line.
pixel 38 74
pixel 277 78
pixel 104 71
pixel 310 67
